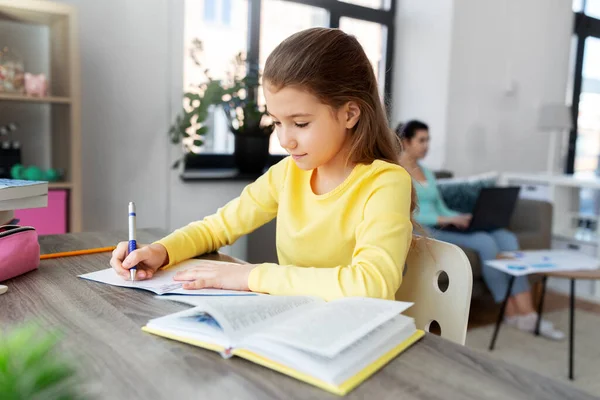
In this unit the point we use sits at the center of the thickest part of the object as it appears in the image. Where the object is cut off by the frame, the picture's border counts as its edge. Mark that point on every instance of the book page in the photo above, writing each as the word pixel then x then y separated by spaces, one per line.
pixel 330 328
pixel 344 365
pixel 161 283
pixel 242 316
pixel 192 324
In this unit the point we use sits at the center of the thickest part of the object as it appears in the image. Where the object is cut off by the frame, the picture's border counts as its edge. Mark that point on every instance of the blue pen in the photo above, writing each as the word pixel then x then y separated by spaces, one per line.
pixel 132 240
pixel 517 267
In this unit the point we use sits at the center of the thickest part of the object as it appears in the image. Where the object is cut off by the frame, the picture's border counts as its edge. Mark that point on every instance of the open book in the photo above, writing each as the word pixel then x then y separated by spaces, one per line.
pixel 162 282
pixel 333 345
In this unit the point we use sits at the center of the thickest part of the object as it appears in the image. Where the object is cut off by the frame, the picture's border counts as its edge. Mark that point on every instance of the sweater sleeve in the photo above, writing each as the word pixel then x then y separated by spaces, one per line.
pixel 256 206
pixel 382 241
pixel 440 206
pixel 427 218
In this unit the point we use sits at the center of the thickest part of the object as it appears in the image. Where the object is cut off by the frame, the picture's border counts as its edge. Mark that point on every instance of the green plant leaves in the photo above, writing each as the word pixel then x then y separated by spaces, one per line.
pixel 234 96
pixel 30 368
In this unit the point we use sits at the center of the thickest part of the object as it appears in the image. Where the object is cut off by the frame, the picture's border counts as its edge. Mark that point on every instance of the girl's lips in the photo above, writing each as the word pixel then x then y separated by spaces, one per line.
pixel 297 156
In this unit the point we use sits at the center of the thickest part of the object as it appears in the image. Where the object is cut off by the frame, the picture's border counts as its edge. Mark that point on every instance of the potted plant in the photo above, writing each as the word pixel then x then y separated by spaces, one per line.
pixel 236 96
pixel 31 368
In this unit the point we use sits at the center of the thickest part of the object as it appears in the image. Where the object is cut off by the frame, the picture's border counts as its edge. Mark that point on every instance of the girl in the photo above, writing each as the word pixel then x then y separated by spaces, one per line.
pixel 342 202
pixel 434 214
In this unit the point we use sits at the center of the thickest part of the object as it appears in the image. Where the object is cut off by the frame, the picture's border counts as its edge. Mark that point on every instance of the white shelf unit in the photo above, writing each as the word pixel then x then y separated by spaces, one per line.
pixel 563 191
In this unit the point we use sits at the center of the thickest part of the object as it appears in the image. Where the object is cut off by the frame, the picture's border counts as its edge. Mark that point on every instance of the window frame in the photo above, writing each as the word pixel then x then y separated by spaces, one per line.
pixel 584 27
pixel 337 9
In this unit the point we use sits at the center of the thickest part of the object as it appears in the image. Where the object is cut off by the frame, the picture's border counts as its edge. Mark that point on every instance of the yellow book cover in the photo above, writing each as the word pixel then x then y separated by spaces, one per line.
pixel 333 345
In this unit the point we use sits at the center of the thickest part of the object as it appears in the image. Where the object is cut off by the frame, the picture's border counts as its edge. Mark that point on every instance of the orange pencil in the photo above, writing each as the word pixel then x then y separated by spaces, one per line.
pixel 77 252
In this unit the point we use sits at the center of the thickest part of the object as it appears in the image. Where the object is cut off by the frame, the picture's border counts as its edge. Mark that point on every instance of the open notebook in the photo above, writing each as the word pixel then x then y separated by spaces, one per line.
pixel 333 345
pixel 162 282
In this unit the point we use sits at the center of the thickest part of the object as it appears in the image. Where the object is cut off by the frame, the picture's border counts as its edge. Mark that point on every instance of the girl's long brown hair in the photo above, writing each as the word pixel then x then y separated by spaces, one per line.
pixel 333 66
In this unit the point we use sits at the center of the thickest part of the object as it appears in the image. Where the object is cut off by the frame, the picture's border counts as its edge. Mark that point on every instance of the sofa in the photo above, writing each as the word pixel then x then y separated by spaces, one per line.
pixel 531 222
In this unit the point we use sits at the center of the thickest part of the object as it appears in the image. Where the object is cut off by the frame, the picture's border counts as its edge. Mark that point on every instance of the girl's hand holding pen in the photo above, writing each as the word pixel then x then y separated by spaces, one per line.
pixel 207 274
pixel 148 260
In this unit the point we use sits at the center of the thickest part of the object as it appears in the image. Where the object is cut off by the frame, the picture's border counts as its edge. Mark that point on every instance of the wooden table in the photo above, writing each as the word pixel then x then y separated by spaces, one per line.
pixel 116 360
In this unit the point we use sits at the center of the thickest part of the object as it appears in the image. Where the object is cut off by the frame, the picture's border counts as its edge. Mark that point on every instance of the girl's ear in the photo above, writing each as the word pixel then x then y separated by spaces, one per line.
pixel 352 114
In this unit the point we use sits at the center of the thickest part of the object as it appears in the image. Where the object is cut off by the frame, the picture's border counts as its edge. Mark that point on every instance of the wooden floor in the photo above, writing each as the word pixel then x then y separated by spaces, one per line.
pixel 485 311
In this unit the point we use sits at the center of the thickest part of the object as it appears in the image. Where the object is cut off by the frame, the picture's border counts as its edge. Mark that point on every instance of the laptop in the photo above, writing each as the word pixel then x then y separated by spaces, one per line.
pixel 493 210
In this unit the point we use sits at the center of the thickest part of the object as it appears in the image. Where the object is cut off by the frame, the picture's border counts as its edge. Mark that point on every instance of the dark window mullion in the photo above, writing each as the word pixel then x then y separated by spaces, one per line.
pixel 389 59
pixel 254 11
pixel 570 167
pixel 389 55
pixel 334 19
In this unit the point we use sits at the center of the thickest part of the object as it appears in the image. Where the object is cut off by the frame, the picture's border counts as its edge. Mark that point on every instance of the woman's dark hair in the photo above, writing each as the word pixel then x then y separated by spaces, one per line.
pixel 408 130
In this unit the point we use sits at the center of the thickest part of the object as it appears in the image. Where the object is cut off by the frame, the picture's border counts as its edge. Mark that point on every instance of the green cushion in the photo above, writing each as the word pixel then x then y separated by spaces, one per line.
pixel 461 194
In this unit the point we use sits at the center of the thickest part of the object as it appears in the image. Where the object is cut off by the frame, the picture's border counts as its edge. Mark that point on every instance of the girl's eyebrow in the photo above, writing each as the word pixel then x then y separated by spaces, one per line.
pixel 293 115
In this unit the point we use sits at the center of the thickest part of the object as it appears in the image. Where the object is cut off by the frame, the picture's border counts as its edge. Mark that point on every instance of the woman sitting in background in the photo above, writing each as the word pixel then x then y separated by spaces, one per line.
pixel 433 214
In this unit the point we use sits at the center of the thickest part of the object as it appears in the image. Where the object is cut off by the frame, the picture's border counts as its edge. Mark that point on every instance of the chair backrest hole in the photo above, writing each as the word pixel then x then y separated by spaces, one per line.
pixel 443 281
pixel 405 269
pixel 434 327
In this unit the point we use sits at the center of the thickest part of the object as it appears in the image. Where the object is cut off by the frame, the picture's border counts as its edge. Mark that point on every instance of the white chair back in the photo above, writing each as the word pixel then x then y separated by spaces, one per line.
pixel 426 261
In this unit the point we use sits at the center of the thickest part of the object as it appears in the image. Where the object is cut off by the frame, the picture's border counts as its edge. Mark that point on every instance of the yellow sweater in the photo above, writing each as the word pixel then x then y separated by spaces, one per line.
pixel 352 241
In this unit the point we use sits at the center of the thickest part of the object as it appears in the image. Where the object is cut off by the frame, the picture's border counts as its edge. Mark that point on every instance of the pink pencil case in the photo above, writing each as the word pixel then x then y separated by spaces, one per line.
pixel 19 250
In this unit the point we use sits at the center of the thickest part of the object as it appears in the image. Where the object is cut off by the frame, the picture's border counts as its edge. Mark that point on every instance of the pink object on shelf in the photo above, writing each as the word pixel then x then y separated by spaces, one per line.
pixel 36 85
pixel 50 220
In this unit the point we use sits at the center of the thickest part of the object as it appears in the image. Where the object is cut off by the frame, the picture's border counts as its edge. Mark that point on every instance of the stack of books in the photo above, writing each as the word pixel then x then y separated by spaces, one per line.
pixel 19 194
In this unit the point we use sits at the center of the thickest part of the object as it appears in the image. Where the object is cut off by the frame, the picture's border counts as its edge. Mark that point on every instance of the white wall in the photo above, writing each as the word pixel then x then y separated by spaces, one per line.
pixel 477 71
pixel 124 74
pixel 508 57
pixel 131 72
pixel 422 68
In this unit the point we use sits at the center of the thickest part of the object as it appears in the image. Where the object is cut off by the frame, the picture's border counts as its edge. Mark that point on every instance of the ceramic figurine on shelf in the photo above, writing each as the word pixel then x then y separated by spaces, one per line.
pixel 33 173
pixel 36 85
pixel 12 73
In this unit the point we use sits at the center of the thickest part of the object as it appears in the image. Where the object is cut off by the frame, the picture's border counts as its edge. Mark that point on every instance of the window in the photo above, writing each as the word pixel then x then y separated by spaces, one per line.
pixel 255 27
pixel 226 12
pixel 215 57
pixel 371 37
pixel 584 140
pixel 588 120
pixel 217 11
pixel 280 19
pixel 210 10
pixel 592 8
pixel 382 4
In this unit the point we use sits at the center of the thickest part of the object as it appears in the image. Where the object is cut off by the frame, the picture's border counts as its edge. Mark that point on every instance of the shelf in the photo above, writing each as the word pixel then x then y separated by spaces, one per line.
pixel 33 11
pixel 31 99
pixel 569 234
pixel 60 185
